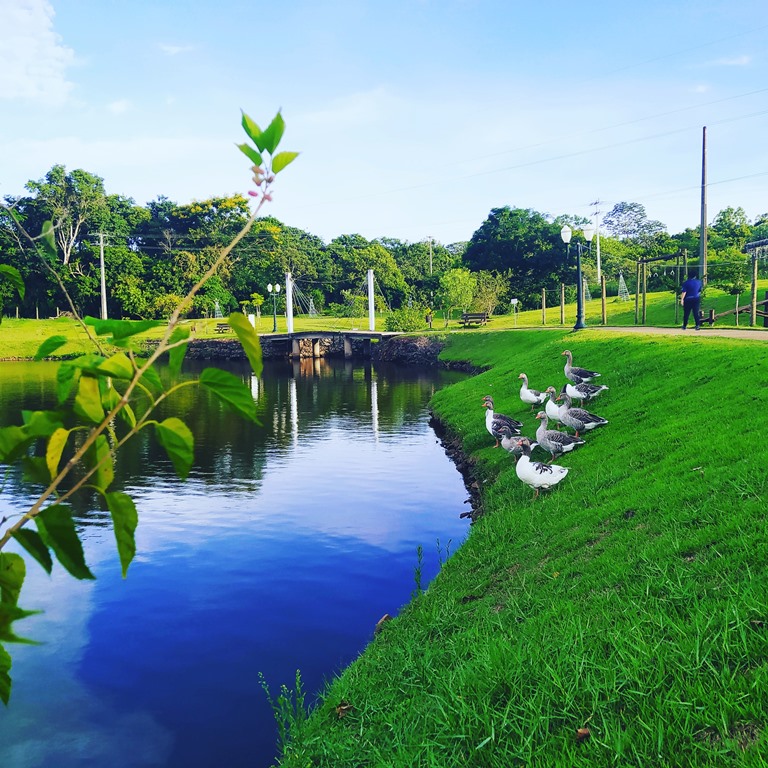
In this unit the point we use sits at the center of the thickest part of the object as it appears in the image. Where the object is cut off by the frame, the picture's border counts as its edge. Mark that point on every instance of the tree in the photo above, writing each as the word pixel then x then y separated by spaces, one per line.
pixel 457 288
pixel 629 221
pixel 76 202
pixel 732 226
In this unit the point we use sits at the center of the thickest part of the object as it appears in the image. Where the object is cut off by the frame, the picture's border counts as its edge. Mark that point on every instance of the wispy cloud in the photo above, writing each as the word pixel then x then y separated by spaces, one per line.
pixel 700 88
pixel 119 107
pixel 733 61
pixel 175 50
pixel 35 60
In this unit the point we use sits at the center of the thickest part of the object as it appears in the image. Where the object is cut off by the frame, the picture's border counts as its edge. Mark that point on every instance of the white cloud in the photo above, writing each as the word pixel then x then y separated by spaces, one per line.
pixel 34 59
pixel 700 88
pixel 733 61
pixel 175 50
pixel 119 107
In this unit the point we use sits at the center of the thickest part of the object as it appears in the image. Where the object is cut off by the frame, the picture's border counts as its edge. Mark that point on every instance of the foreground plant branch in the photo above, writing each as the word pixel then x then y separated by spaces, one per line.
pixel 97 391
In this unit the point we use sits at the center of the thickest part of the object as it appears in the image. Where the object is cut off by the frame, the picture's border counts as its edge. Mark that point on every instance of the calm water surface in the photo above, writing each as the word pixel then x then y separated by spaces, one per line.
pixel 280 552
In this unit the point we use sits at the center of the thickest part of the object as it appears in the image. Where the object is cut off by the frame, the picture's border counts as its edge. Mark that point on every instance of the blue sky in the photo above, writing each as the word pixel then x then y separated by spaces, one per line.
pixel 414 117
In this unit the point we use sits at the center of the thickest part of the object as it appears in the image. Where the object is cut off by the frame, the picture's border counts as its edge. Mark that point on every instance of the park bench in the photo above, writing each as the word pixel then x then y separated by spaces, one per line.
pixel 222 328
pixel 470 318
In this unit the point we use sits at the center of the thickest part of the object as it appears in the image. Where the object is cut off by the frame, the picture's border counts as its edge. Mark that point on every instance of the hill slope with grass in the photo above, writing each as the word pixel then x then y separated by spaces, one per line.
pixel 619 619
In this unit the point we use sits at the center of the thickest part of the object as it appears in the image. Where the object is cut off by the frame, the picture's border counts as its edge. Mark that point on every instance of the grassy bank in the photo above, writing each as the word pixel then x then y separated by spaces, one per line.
pixel 21 338
pixel 630 602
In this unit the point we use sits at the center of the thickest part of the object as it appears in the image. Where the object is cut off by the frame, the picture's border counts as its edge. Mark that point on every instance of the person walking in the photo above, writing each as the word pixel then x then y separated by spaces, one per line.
pixel 690 298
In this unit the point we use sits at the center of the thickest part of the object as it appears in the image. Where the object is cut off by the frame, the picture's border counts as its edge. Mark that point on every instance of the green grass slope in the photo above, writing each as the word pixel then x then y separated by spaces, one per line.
pixel 631 601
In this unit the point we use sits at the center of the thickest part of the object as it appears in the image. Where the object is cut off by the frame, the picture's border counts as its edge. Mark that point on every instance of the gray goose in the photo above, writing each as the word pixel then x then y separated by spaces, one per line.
pixel 583 391
pixel 512 442
pixel 578 418
pixel 575 374
pixel 494 420
pixel 557 443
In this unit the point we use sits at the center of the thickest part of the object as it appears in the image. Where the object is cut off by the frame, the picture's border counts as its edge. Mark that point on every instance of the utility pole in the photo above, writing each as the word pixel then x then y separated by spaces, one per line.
pixel 597 230
pixel 703 231
pixel 103 278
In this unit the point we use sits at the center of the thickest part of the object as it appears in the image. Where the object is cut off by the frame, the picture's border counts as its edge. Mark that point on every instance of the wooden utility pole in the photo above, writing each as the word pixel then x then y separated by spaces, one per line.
pixel 703 230
pixel 543 306
pixel 637 290
pixel 562 303
pixel 103 278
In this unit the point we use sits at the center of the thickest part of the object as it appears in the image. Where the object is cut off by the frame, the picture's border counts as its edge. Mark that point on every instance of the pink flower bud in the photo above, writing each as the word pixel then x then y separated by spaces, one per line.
pixel 268 196
pixel 253 193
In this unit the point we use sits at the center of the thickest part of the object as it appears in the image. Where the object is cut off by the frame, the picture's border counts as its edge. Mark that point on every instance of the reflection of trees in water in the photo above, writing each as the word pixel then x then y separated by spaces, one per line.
pixel 298 400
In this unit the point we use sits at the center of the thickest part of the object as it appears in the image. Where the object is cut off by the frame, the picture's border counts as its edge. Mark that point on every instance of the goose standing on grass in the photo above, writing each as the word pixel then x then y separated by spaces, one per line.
pixel 495 420
pixel 534 473
pixel 531 397
pixel 578 418
pixel 513 443
pixel 583 391
pixel 551 408
pixel 575 374
pixel 557 443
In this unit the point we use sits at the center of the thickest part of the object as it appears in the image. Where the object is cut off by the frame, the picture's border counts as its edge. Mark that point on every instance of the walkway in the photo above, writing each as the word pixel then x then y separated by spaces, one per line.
pixel 730 333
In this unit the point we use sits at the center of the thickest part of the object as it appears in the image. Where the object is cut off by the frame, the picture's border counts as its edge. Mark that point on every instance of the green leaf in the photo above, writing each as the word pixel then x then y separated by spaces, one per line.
pixel 127 415
pixel 272 134
pixel 151 379
pixel 57 529
pixel 98 455
pixel 175 436
pixel 5 677
pixel 118 366
pixel 253 130
pixel 125 518
pixel 8 614
pixel 49 346
pixel 281 159
pixel 176 355
pixel 120 329
pixel 12 572
pixel 248 338
pixel 35 470
pixel 65 381
pixel 88 400
pixel 54 450
pixel 48 239
pixel 13 441
pixel 33 543
pixel 13 276
pixel 230 390
pixel 41 423
pixel 251 153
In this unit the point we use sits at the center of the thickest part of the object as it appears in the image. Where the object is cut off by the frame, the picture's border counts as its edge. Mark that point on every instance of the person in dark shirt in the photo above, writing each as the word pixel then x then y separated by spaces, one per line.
pixel 690 298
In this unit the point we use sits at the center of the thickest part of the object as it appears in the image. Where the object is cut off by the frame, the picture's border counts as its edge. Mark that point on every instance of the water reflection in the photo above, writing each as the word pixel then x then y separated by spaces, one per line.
pixel 288 542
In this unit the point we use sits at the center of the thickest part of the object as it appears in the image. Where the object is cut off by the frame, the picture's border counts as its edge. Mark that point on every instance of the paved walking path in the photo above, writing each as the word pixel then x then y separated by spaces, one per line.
pixel 730 333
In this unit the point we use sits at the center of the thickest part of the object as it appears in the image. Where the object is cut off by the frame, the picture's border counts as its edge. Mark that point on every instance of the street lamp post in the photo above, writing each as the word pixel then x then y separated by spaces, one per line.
pixel 566 233
pixel 274 290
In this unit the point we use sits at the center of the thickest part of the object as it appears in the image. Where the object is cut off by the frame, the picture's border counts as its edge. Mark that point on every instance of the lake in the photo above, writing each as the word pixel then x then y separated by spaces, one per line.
pixel 284 547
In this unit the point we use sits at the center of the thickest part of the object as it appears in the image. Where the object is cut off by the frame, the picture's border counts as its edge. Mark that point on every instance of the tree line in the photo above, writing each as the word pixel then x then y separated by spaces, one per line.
pixel 154 253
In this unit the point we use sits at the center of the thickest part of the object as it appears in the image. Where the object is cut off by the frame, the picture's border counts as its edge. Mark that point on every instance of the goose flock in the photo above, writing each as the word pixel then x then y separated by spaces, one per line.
pixel 558 409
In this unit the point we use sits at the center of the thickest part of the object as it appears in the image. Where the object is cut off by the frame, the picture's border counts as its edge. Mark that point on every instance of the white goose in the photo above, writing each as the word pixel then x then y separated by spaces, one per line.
pixel 557 443
pixel 578 418
pixel 531 397
pixel 575 374
pixel 551 408
pixel 536 474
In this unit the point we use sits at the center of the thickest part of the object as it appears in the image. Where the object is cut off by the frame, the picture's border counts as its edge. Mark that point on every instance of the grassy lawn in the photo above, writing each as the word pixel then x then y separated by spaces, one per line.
pixel 630 601
pixel 21 338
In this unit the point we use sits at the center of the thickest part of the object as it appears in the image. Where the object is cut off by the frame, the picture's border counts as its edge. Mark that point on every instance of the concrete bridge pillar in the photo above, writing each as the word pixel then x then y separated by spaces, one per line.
pixel 315 347
pixel 347 348
pixel 295 348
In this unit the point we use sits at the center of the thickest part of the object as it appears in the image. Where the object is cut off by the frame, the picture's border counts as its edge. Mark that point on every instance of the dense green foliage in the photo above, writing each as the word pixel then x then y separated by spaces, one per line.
pixel 629 602
pixel 156 252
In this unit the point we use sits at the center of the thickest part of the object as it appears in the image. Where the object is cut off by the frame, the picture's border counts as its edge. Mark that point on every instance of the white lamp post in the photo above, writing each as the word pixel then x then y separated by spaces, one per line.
pixel 274 290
